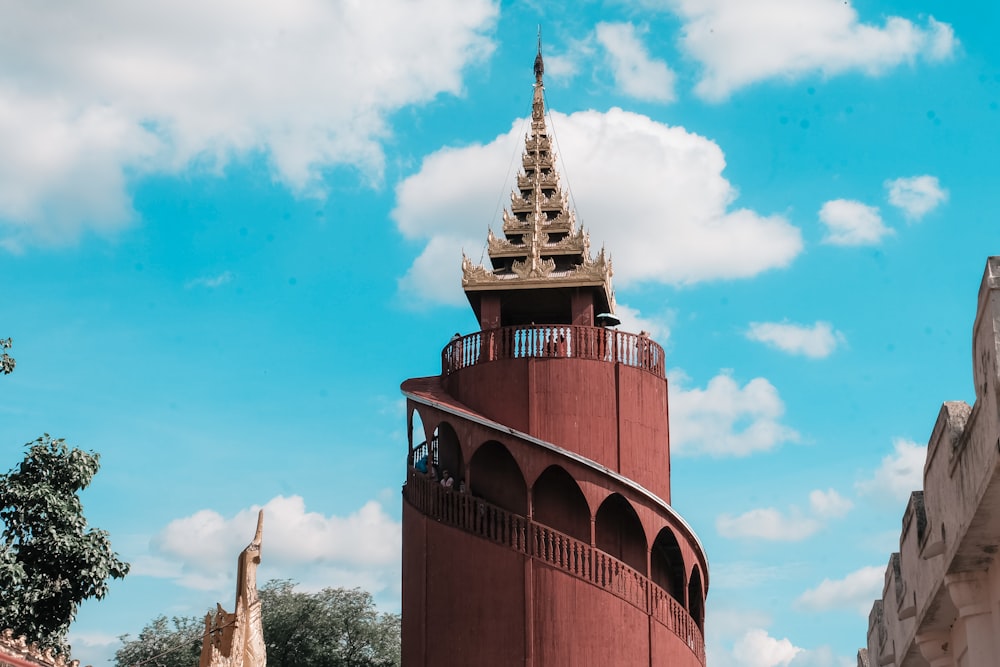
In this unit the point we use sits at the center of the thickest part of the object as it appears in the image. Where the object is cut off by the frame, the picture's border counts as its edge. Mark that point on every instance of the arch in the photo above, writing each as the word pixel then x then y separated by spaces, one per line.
pixel 666 564
pixel 495 477
pixel 696 599
pixel 618 531
pixel 449 451
pixel 415 434
pixel 558 502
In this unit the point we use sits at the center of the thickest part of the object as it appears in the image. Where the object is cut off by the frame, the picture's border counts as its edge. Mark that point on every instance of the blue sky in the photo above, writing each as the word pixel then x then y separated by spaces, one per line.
pixel 229 230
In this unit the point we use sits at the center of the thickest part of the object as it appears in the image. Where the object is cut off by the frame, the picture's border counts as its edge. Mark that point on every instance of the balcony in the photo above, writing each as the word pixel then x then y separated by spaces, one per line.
pixel 559 342
pixel 472 515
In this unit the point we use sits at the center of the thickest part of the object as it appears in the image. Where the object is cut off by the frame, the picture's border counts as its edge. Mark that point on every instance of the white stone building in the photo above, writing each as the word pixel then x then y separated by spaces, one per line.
pixel 940 606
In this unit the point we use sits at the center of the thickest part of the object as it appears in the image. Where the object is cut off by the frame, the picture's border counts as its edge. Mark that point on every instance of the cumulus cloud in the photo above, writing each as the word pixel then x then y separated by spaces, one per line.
pixel 829 504
pixel 767 524
pixel 816 341
pixel 654 194
pixel 634 321
pixel 635 72
pixel 899 474
pixel 91 96
pixel 740 43
pixel 755 647
pixel 772 524
pixel 361 549
pixel 724 419
pixel 856 591
pixel 759 649
pixel 730 623
pixel 852 223
pixel 916 196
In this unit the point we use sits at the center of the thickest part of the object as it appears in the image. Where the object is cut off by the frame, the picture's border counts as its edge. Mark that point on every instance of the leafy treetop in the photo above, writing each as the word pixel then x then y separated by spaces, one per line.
pixel 50 561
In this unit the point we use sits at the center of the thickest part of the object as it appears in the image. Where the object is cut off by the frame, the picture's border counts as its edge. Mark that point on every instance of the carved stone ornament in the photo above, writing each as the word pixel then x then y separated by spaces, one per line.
pixel 473 274
pixel 19 648
pixel 237 639
pixel 534 267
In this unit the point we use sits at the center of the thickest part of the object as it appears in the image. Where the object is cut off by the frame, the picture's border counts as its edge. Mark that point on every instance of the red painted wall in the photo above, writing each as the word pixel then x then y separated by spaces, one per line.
pixel 599 628
pixel 645 441
pixel 613 414
pixel 467 595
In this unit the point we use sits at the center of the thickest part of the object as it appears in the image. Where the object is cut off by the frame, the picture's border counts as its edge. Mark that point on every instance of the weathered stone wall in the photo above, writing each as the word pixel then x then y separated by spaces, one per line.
pixel 940 605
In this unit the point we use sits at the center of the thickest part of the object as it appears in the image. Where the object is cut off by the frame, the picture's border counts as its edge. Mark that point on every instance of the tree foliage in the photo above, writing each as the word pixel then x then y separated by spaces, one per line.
pixel 7 362
pixel 50 561
pixel 335 627
pixel 162 643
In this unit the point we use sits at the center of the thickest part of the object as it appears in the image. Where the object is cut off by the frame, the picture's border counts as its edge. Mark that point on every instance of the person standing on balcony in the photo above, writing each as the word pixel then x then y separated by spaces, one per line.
pixel 447 481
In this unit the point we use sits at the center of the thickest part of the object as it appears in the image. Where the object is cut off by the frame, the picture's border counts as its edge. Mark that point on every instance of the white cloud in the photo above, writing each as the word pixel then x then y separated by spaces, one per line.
pixel 755 647
pixel 633 320
pixel 759 649
pixel 729 623
pixel 91 96
pixel 654 194
pixel 772 524
pixel 829 504
pixel 856 591
pixel 816 341
pixel 899 474
pixel 822 657
pixel 767 524
pixel 199 551
pixel 917 195
pixel 740 42
pixel 638 75
pixel 211 282
pixel 93 648
pixel 852 223
pixel 724 419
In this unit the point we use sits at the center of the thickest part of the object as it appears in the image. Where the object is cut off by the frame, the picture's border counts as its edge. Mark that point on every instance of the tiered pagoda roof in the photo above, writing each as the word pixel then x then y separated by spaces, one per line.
pixel 541 247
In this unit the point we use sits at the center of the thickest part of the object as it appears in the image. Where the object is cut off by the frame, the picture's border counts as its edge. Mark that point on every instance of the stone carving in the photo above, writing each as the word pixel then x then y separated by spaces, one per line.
pixel 18 647
pixel 237 639
pixel 533 267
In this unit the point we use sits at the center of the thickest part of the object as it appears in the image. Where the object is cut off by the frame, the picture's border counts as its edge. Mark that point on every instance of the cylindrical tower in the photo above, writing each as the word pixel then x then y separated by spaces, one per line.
pixel 554 543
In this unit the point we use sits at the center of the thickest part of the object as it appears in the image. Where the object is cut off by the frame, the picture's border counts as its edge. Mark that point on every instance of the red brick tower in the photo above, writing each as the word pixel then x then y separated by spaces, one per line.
pixel 557 544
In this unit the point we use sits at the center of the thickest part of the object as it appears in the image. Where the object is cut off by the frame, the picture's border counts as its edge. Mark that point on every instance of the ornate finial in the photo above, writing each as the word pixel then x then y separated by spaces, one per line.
pixel 539 65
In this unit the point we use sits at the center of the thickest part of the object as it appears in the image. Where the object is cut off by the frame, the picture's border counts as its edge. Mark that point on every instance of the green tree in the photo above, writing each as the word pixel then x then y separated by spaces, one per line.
pixel 50 561
pixel 7 362
pixel 335 627
pixel 160 645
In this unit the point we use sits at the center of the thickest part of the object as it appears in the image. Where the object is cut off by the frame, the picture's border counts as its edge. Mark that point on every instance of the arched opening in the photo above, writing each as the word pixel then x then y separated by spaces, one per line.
pixel 416 437
pixel 618 531
pixel 696 599
pixel 666 564
pixel 557 502
pixel 449 452
pixel 496 478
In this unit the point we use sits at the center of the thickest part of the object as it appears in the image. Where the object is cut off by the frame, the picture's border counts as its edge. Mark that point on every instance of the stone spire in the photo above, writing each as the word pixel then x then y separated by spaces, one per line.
pixel 542 246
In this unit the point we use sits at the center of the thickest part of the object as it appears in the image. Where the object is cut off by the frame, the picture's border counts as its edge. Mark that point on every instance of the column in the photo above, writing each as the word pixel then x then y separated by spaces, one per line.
pixel 935 646
pixel 969 592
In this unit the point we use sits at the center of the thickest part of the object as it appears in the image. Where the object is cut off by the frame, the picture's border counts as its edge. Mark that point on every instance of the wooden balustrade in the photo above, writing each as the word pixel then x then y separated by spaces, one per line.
pixel 480 518
pixel 558 341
